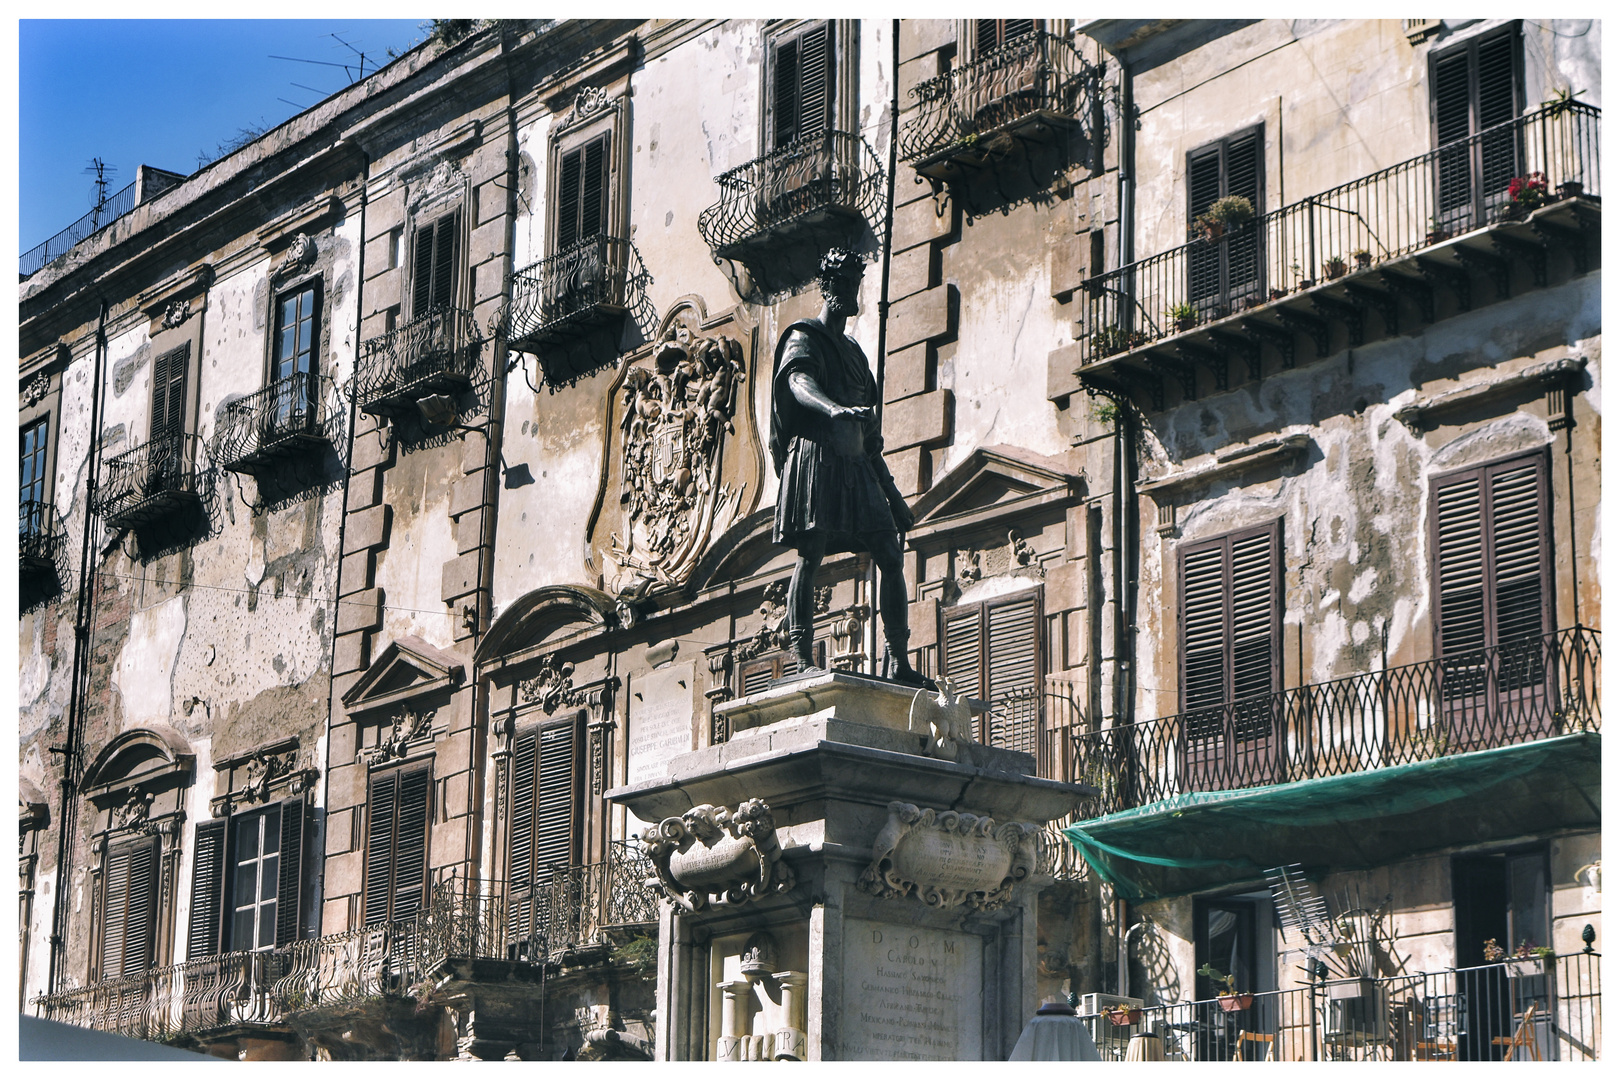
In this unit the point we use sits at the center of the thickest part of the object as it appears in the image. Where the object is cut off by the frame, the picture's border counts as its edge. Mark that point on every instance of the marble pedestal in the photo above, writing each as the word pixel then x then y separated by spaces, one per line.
pixel 890 912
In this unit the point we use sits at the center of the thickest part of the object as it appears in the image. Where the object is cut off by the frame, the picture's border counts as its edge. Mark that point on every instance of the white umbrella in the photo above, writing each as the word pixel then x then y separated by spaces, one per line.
pixel 1054 1033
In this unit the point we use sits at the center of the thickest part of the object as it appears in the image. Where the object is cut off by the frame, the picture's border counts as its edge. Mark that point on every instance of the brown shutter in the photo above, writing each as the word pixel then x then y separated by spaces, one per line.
pixel 381 804
pixel 207 889
pixel 290 876
pixel 1230 619
pixel 816 81
pixel 785 96
pixel 1463 621
pixel 1491 555
pixel 410 849
pixel 1013 671
pixel 1203 628
pixel 962 643
pixel 757 674
pixel 556 796
pixel 129 917
pixel 169 373
pixel 520 856
pixel 422 271
pixel 434 267
pixel 568 200
pixel 592 210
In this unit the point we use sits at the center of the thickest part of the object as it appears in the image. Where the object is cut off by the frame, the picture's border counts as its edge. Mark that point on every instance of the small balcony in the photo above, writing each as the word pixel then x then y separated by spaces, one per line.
pixel 812 193
pixel 150 483
pixel 560 300
pixel 1486 1013
pixel 1031 88
pixel 1538 688
pixel 280 422
pixel 435 353
pixel 1380 246
pixel 39 540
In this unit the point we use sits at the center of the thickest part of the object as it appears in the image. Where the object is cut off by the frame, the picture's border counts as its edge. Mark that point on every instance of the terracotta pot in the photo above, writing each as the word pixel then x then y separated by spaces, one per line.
pixel 1126 1018
pixel 1235 1002
pixel 1333 268
pixel 1435 236
pixel 1183 325
pixel 1569 189
pixel 1278 294
pixel 1363 260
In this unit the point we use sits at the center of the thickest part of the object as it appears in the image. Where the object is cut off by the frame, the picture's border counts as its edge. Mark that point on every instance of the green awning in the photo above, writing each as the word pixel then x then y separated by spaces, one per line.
pixel 1206 839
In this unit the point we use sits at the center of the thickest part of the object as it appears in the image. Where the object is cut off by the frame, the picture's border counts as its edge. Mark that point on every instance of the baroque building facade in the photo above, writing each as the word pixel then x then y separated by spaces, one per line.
pixel 396 488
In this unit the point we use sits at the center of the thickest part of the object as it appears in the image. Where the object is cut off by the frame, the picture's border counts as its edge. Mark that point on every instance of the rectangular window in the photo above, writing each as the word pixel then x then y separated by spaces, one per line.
pixel 1231 659
pixel 802 80
pixel 396 843
pixel 129 907
pixel 433 281
pixel 992 651
pixel 246 880
pixel 32 491
pixel 582 193
pixel 297 331
pixel 1493 599
pixel 170 374
pixel 1230 268
pixel 545 817
pixel 1474 89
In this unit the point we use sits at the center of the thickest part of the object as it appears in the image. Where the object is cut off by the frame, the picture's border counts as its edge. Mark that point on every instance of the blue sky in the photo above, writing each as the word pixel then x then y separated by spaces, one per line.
pixel 159 92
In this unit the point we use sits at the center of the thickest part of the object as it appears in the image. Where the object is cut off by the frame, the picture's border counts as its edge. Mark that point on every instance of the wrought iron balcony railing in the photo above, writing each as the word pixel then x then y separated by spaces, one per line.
pixel 105 213
pixel 1034 80
pixel 39 540
pixel 281 421
pixel 434 353
pixel 1456 1014
pixel 150 482
pixel 802 187
pixel 1363 225
pixel 1532 689
pixel 595 281
pixel 464 919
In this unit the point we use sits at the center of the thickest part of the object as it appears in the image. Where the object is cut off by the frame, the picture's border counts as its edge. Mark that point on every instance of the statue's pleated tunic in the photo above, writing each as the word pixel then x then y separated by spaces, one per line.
pixel 829 468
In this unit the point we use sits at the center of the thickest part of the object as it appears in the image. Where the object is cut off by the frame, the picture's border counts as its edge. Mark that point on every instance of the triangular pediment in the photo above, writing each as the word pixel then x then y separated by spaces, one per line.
pixel 408 668
pixel 992 482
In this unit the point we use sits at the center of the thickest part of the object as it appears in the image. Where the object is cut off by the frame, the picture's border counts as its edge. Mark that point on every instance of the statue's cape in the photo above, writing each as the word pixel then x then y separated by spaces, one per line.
pixel 786 412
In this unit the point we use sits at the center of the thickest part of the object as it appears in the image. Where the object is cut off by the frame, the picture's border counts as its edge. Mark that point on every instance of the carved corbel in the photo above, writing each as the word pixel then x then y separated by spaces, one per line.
pixel 712 855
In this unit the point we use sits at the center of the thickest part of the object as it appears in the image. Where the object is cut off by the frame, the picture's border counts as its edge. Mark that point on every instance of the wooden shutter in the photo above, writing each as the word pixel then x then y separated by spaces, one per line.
pixel 291 871
pixel 129 913
pixel 991 34
pixel 169 373
pixel 582 193
pixel 556 801
pixel 434 265
pixel 520 856
pixel 1230 619
pixel 1491 555
pixel 1472 88
pixel 803 77
pixel 962 642
pixel 396 844
pixel 758 674
pixel 991 651
pixel 207 889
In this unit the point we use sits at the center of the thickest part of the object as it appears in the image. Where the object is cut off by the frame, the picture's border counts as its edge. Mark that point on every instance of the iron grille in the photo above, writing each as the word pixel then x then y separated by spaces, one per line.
pixel 149 482
pixel 433 353
pixel 1416 712
pixel 1034 79
pixel 38 538
pixel 1384 216
pixel 279 421
pixel 592 282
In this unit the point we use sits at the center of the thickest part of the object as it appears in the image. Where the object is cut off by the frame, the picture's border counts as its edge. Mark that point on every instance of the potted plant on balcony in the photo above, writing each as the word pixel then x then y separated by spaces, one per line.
pixel 1525 193
pixel 1184 316
pixel 1437 232
pixel 1525 961
pixel 1230 1000
pixel 1334 267
pixel 1224 213
pixel 1122 1015
pixel 1363 258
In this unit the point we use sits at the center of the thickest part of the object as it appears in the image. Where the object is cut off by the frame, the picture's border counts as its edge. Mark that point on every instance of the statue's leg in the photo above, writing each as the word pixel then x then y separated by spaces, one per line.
pixel 892 605
pixel 800 621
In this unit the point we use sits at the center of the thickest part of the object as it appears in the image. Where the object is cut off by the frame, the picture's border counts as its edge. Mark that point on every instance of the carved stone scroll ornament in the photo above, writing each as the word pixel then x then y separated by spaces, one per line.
pixel 177 312
pixel 553 686
pixel 409 727
pixel 949 859
pixel 711 855
pixel 300 254
pixel 35 389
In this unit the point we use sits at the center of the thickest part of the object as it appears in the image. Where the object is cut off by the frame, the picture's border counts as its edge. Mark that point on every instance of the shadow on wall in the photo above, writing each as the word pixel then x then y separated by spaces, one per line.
pixel 1153 975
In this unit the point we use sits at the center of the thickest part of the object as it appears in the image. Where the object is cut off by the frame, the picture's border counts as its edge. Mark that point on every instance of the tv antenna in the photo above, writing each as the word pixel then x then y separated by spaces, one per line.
pixel 98 187
pixel 354 70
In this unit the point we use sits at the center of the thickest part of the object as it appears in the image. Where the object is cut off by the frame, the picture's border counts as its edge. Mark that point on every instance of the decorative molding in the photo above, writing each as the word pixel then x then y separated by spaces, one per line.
pixel 1016 558
pixel 949 859
pixel 300 256
pixel 711 855
pixel 410 729
pixel 135 811
pixel 588 103
pixel 176 312
pixel 848 633
pixel 35 389
pixel 553 686
pixel 1282 448
pixel 771 634
pixel 1551 375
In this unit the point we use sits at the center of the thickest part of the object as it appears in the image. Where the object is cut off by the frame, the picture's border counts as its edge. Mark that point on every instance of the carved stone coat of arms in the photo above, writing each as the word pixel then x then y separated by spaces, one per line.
pixel 678 470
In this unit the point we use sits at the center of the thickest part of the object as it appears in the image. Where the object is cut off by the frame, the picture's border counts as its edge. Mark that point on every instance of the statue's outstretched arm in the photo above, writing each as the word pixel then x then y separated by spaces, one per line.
pixel 812 396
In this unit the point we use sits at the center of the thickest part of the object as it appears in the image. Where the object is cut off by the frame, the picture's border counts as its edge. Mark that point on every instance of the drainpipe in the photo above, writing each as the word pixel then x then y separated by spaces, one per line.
pixel 883 307
pixel 1125 949
pixel 79 684
pixel 319 893
pixel 1127 163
